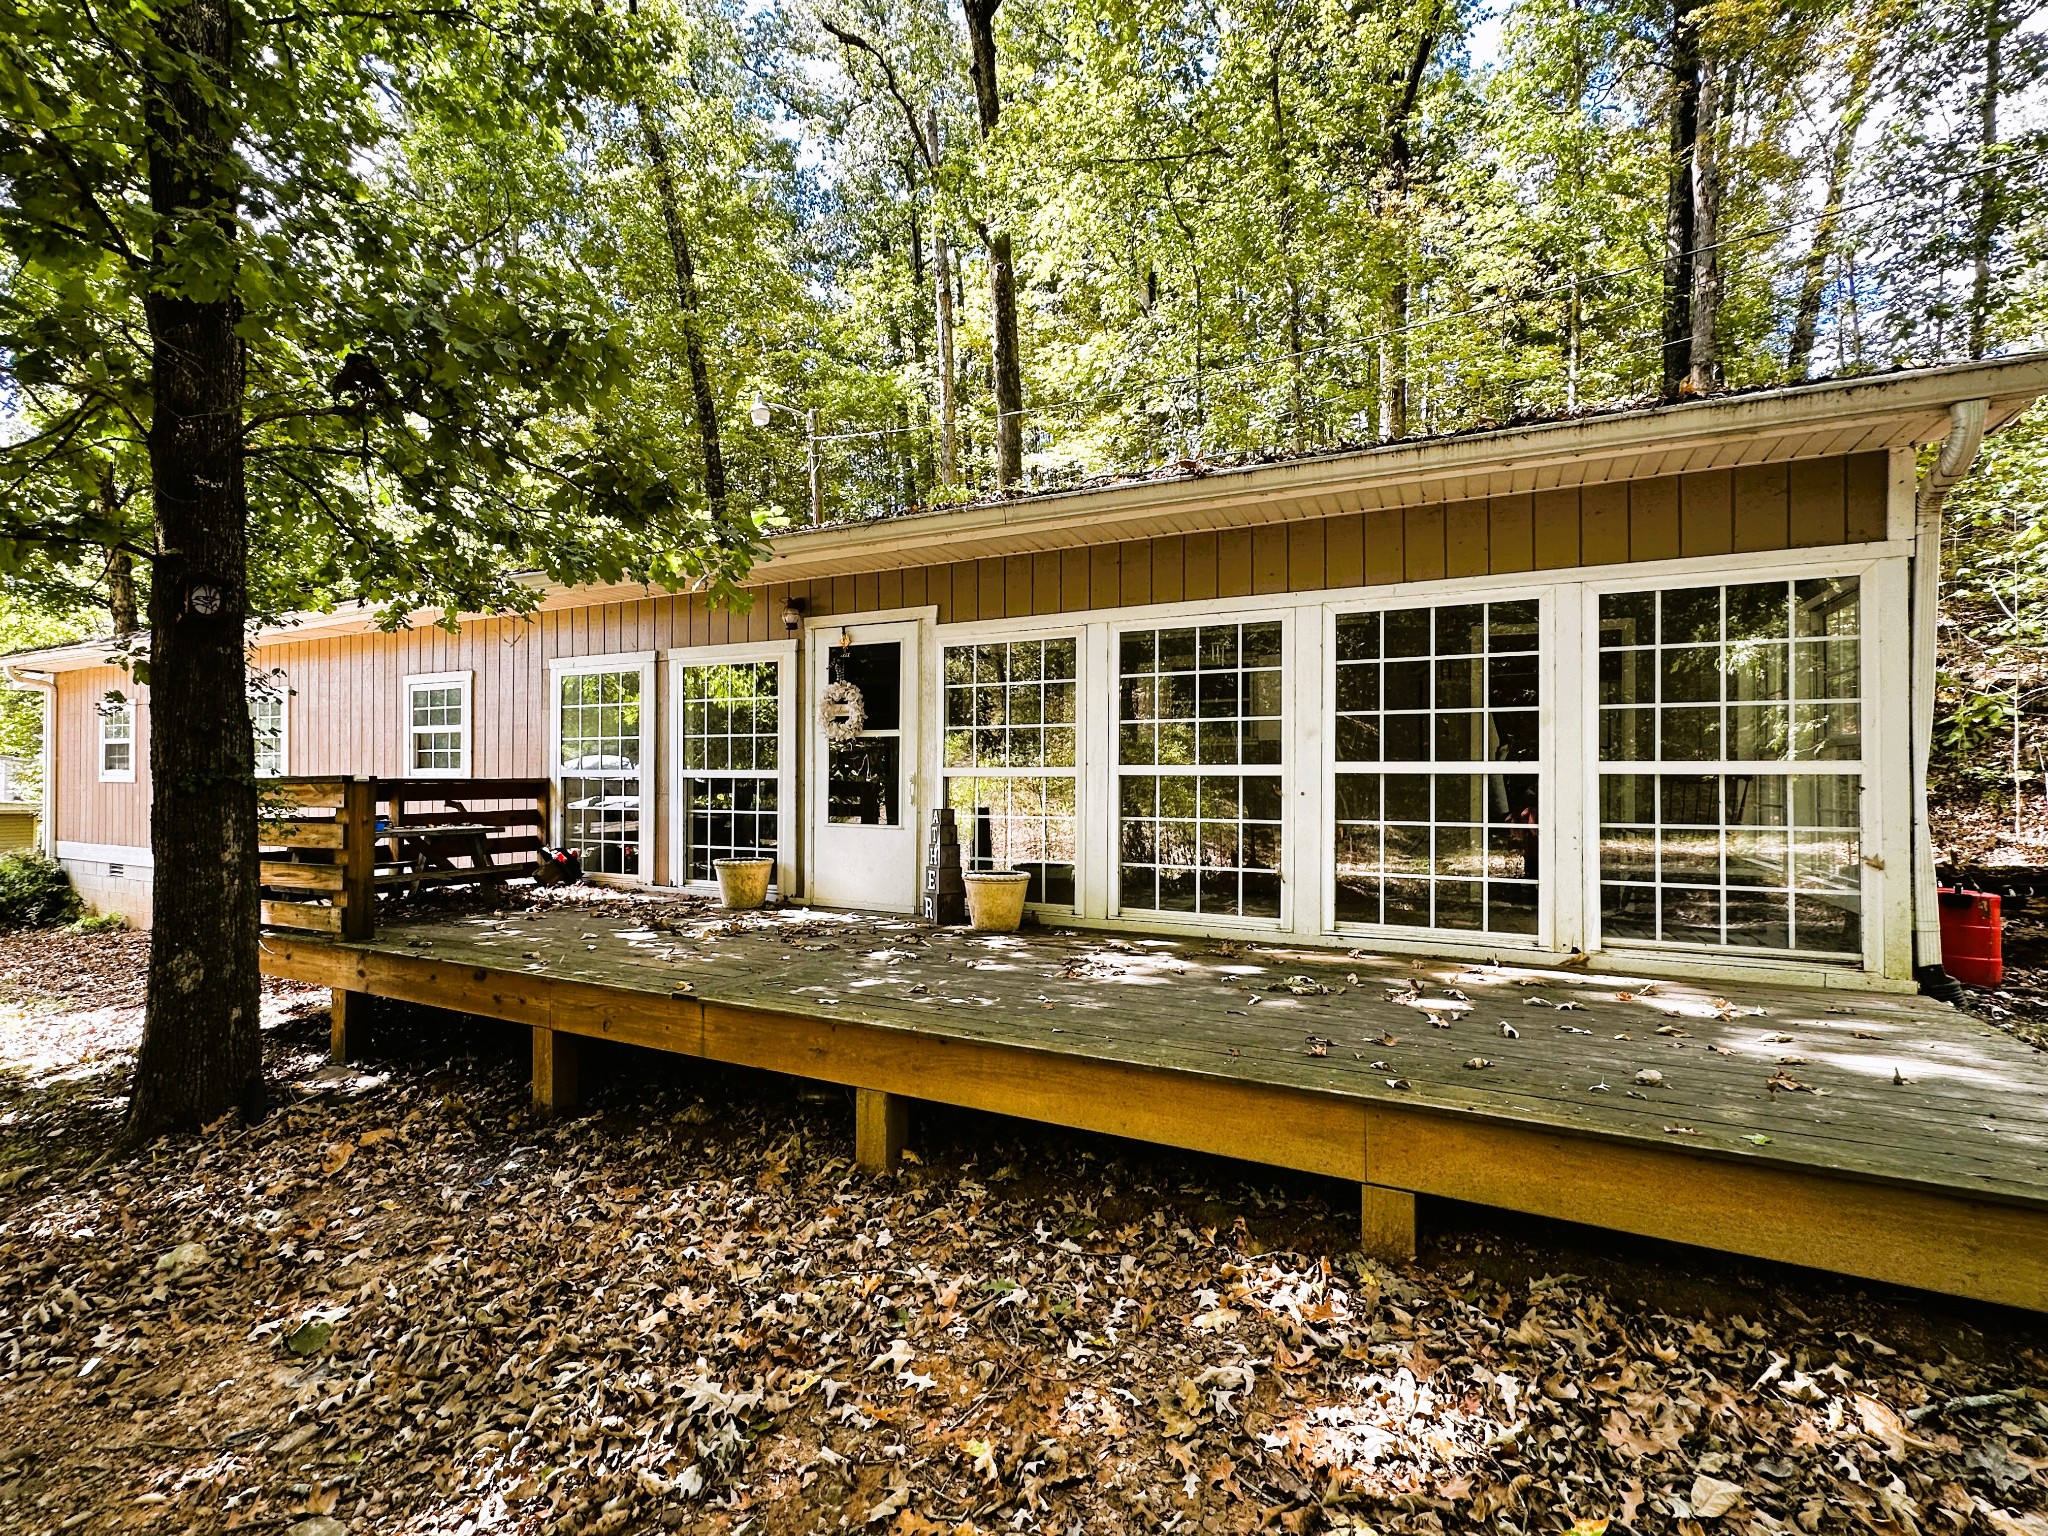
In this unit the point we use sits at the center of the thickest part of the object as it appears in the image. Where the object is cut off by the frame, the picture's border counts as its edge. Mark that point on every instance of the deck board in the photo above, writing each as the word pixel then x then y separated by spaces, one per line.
pixel 1913 1097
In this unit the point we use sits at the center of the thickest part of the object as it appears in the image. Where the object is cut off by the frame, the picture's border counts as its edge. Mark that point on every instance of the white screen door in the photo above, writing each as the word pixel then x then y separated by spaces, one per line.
pixel 864 807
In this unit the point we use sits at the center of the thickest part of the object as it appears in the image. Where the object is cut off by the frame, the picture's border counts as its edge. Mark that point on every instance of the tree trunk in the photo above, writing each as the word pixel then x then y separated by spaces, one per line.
pixel 1680 206
pixel 201 1052
pixel 687 305
pixel 1985 235
pixel 120 568
pixel 1400 171
pixel 942 292
pixel 1703 364
pixel 1813 278
pixel 942 283
pixel 1002 267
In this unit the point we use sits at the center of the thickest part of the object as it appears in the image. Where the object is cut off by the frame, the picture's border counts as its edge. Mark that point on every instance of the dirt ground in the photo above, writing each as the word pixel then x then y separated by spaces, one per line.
pixel 400 1304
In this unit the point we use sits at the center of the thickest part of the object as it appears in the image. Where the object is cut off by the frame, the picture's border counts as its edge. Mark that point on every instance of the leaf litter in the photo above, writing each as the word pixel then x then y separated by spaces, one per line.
pixel 399 1303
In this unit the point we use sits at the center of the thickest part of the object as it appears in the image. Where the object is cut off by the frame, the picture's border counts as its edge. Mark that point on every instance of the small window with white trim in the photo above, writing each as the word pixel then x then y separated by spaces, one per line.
pixel 437 725
pixel 267 727
pixel 1422 839
pixel 117 739
pixel 1731 766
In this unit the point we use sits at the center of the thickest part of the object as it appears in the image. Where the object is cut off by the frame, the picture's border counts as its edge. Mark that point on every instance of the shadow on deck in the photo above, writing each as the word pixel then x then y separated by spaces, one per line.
pixel 1877 1135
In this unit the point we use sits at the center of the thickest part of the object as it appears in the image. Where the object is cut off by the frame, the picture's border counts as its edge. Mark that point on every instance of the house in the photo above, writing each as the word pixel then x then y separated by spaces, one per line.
pixel 20 806
pixel 1654 684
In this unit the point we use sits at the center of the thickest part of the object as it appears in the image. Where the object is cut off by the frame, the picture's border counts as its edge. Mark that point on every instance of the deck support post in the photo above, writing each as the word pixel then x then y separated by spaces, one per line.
pixel 881 1127
pixel 1387 1223
pixel 554 1070
pixel 348 1016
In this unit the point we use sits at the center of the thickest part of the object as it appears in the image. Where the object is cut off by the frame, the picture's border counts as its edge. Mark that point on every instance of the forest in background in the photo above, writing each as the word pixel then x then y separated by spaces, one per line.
pixel 1027 243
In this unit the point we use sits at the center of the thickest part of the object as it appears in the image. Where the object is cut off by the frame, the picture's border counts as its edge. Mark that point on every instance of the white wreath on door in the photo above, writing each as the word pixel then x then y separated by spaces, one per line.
pixel 842 711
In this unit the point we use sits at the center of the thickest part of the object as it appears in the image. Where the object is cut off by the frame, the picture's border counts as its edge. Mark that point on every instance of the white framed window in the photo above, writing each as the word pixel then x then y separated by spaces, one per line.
pixel 437 725
pixel 117 739
pixel 601 715
pixel 735 755
pixel 1201 738
pixel 1731 772
pixel 1010 755
pixel 1438 796
pixel 268 726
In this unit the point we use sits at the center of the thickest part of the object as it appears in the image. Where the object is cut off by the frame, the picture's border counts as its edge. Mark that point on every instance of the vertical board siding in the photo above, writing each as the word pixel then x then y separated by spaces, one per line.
pixel 345 711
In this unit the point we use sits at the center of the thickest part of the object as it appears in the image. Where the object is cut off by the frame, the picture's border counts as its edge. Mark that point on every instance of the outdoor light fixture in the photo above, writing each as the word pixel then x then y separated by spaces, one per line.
pixel 763 411
pixel 793 615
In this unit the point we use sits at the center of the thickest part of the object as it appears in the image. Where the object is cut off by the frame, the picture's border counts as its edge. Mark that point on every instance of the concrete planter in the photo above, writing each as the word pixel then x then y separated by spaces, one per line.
pixel 995 901
pixel 743 883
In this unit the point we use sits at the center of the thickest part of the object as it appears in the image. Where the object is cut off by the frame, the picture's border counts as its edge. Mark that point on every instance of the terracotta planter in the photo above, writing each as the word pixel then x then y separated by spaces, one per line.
pixel 743 883
pixel 995 901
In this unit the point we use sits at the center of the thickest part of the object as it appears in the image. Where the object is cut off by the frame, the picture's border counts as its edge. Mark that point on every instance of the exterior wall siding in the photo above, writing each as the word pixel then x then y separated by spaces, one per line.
pixel 344 709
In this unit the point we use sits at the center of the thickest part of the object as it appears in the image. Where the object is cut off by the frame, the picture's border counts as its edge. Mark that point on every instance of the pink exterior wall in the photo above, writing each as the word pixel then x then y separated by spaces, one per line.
pixel 87 810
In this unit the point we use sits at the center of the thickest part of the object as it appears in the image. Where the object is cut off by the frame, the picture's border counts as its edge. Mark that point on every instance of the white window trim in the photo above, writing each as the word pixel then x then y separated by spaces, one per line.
pixel 283 694
pixel 650 735
pixel 106 711
pixel 1882 585
pixel 1296 732
pixel 1010 631
pixel 465 681
pixel 787 818
pixel 1550 866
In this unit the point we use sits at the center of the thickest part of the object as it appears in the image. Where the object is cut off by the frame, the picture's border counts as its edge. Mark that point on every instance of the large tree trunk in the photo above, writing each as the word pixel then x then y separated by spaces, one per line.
pixel 1002 266
pixel 1985 234
pixel 201 1052
pixel 1680 204
pixel 687 305
pixel 1813 278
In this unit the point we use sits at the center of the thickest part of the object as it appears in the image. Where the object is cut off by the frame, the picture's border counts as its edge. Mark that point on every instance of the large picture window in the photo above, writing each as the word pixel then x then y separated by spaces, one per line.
pixel 732 762
pixel 1009 759
pixel 1199 754
pixel 1420 844
pixel 600 740
pixel 1731 766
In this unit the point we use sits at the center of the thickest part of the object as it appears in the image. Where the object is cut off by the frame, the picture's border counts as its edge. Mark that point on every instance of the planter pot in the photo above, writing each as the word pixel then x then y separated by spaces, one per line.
pixel 743 883
pixel 995 902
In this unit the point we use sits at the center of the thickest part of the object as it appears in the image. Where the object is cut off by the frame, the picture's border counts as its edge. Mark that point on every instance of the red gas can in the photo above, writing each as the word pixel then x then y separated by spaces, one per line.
pixel 1971 947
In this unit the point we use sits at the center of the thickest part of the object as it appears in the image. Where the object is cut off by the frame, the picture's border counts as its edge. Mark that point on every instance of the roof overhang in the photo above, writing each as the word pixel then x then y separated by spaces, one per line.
pixel 1907 409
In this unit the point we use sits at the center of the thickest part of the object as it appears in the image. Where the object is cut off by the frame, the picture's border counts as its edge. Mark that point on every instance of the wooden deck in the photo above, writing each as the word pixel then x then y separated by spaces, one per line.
pixel 1877 1135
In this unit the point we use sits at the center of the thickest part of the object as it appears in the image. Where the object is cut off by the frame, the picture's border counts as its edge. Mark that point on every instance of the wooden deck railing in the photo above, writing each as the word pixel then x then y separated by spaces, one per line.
pixel 331 844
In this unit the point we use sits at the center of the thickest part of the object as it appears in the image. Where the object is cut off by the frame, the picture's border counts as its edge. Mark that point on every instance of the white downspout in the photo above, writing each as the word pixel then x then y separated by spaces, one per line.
pixel 1958 453
pixel 44 683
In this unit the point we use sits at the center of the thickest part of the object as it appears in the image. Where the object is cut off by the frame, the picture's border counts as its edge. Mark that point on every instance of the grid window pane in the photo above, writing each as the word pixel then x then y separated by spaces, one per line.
pixel 436 711
pixel 266 724
pixel 732 724
pixel 1416 688
pixel 1201 715
pixel 117 736
pixel 1009 754
pixel 1745 850
pixel 599 768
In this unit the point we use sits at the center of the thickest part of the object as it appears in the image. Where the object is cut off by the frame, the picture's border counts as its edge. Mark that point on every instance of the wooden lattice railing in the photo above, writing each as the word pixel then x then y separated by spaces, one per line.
pixel 331 844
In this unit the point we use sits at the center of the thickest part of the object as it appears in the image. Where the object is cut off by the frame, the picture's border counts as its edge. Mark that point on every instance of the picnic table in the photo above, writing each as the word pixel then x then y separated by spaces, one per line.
pixel 426 854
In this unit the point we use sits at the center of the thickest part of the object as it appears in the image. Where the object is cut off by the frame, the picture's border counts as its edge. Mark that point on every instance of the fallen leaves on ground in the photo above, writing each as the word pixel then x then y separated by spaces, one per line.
pixel 399 1304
